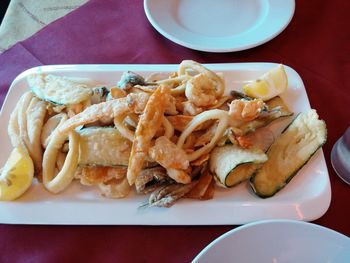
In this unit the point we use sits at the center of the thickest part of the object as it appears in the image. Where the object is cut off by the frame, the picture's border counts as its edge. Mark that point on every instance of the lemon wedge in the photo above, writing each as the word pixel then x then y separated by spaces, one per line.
pixel 17 175
pixel 272 83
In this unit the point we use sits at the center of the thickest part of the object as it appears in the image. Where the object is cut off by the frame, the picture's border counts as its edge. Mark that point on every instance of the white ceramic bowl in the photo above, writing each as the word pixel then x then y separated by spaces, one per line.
pixel 278 241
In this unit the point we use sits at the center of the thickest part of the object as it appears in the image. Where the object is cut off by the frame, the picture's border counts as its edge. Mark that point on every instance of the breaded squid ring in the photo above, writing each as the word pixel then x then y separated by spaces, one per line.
pixel 170 81
pixel 178 90
pixel 13 128
pixel 22 116
pixel 58 183
pixel 123 129
pixel 36 113
pixel 223 118
pixel 25 126
pixel 50 125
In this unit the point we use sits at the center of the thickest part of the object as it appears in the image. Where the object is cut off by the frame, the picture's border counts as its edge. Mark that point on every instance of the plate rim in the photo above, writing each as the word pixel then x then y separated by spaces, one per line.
pixel 190 45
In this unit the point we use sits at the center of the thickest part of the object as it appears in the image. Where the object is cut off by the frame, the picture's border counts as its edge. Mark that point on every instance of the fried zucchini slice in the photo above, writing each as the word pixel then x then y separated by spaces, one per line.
pixel 60 90
pixel 289 153
pixel 232 164
pixel 103 146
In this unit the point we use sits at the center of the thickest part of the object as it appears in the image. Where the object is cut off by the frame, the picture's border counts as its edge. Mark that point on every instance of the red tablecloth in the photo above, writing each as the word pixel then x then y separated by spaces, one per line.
pixel 315 44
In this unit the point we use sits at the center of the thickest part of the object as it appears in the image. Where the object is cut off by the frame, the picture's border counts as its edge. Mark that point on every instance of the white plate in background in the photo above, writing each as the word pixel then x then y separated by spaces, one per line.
pixel 219 25
pixel 306 197
pixel 284 241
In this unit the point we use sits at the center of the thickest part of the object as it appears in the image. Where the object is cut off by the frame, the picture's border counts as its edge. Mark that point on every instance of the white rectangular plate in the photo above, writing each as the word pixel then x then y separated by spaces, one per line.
pixel 306 197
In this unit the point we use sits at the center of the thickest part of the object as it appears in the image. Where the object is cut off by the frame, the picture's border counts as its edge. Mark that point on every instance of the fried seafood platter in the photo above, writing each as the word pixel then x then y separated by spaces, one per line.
pixel 142 136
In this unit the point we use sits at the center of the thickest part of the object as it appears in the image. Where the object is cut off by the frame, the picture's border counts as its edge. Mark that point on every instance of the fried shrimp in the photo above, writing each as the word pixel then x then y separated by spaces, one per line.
pixel 112 108
pixel 201 91
pixel 150 121
pixel 95 112
pixel 168 155
pixel 242 110
pixel 206 82
pixel 190 109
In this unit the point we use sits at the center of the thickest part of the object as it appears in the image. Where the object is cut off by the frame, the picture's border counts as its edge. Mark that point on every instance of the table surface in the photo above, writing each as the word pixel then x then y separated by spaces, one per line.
pixel 315 44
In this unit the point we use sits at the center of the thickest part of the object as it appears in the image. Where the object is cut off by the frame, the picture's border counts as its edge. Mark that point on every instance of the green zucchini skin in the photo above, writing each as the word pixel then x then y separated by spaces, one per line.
pixel 232 164
pixel 276 173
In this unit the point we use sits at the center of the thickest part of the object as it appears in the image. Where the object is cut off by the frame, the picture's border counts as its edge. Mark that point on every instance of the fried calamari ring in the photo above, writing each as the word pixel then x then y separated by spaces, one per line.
pixel 220 115
pixel 51 124
pixel 36 113
pixel 58 183
pixel 123 129
pixel 178 89
pixel 22 116
pixel 13 128
pixel 174 80
pixel 25 126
